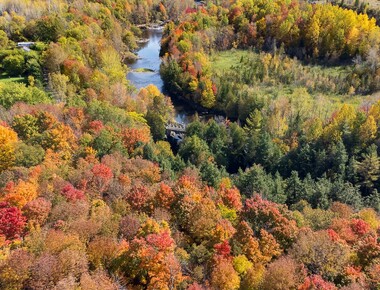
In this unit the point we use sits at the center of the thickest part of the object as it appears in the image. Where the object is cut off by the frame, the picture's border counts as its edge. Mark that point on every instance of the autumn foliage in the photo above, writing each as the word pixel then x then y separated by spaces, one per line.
pixel 8 139
pixel 94 195
pixel 12 222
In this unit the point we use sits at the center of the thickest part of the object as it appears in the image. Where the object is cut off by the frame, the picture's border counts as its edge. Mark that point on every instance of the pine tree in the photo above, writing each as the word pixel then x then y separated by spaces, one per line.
pixel 369 168
pixel 294 189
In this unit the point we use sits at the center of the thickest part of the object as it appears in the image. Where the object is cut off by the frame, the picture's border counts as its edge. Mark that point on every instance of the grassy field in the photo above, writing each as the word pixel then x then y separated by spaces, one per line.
pixel 221 62
pixel 6 79
pixel 224 60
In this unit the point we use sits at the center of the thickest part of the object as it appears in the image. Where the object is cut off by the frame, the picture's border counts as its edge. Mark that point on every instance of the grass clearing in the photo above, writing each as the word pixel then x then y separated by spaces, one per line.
pixel 6 79
pixel 222 62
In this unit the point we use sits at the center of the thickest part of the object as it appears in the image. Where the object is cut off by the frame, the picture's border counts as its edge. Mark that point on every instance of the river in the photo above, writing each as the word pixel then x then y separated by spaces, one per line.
pixel 149 59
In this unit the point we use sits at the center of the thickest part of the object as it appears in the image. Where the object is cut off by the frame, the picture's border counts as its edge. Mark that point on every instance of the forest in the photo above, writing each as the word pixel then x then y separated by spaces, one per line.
pixel 283 193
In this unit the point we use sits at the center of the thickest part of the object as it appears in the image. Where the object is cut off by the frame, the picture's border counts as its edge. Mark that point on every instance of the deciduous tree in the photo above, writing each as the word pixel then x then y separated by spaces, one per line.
pixel 8 140
pixel 12 222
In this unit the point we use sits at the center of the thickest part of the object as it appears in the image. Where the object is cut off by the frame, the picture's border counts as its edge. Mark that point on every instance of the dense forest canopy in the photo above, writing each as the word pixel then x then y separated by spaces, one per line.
pixel 281 194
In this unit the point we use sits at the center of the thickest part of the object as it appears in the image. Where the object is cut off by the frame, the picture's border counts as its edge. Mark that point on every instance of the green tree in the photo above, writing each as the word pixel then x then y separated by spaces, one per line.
pixel 49 28
pixel 156 124
pixel 107 142
pixel 10 93
pixel 236 147
pixel 196 128
pixel 339 158
pixel 210 173
pixel 255 180
pixel 369 168
pixel 28 155
pixel 322 193
pixel 347 193
pixel 3 39
pixel 373 200
pixel 158 114
pixel 14 64
pixel 194 150
pixel 294 189
pixel 33 68
pixel 268 153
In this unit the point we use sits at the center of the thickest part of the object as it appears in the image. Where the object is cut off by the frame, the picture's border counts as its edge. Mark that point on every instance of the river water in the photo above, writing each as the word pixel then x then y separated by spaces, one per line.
pixel 149 58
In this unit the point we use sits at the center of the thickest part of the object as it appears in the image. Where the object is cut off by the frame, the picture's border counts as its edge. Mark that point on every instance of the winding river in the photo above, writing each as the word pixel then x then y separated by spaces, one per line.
pixel 149 60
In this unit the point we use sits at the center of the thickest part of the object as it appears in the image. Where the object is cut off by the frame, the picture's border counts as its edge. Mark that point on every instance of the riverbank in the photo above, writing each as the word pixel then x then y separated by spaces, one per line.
pixel 145 70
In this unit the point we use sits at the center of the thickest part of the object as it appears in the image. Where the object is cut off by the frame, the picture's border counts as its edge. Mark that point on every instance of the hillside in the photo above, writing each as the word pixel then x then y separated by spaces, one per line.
pixel 272 182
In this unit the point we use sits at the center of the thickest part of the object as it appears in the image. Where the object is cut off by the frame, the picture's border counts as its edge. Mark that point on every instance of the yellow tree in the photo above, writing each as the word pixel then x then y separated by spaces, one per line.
pixel 224 276
pixel 8 140
pixel 207 95
pixel 343 123
pixel 313 128
pixel 374 111
pixel 24 191
pixel 60 138
pixel 368 130
pixel 112 66
pixel 312 32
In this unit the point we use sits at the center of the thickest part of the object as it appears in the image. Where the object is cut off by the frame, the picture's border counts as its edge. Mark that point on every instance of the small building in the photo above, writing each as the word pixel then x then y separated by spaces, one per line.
pixel 25 44
pixel 318 1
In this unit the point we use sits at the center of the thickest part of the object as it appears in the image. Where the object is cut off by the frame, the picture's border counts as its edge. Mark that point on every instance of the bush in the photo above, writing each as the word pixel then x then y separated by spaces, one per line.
pixel 11 93
pixel 14 65
pixel 29 156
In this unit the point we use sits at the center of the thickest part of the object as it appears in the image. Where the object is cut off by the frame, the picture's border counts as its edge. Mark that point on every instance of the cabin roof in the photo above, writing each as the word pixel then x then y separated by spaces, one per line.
pixel 25 43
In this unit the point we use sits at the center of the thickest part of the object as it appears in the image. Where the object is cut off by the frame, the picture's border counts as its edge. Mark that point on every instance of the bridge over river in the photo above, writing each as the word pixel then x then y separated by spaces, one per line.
pixel 175 131
pixel 146 70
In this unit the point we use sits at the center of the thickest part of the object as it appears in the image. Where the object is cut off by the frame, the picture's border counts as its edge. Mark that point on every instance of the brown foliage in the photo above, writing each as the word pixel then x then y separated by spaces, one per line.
pixel 320 254
pixel 284 273
pixel 95 281
pixel 37 211
pixel 44 272
pixel 129 226
pixel 14 271
pixel 101 251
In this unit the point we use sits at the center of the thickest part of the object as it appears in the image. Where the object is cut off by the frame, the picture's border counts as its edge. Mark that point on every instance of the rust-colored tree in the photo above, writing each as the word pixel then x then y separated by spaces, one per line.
pixel 133 138
pixel 37 211
pixel 263 214
pixel 150 262
pixel 223 275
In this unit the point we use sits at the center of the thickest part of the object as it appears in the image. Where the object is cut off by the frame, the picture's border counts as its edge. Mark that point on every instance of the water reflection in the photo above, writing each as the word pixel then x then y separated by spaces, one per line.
pixel 149 59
